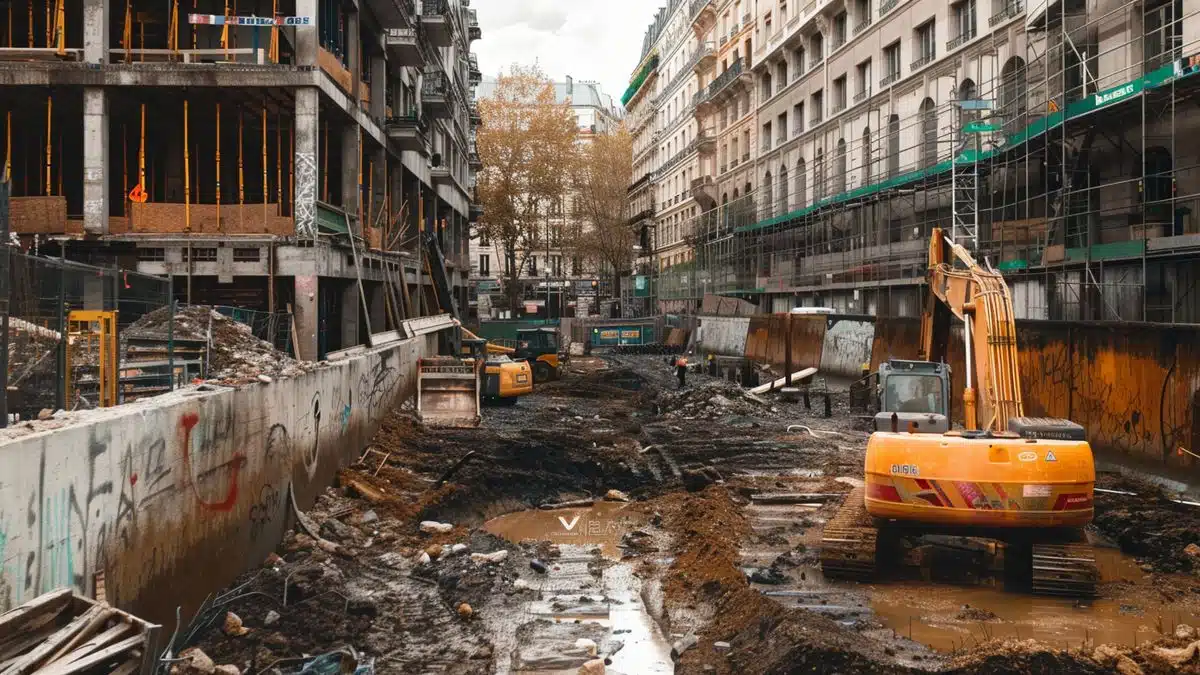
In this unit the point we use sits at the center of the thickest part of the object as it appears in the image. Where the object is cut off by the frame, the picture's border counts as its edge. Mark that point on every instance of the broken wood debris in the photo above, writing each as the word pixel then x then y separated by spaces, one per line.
pixel 61 633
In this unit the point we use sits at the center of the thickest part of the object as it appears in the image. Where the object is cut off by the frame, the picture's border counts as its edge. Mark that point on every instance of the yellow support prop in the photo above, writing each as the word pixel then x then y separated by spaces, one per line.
pixel 8 146
pixel 173 28
pixel 127 33
pixel 264 163
pixel 279 162
pixel 142 152
pixel 60 29
pixel 225 32
pixel 187 174
pixel 241 176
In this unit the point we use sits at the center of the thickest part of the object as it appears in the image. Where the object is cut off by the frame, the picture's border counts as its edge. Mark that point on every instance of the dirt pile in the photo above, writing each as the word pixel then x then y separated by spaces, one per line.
pixel 1148 525
pixel 712 399
pixel 235 355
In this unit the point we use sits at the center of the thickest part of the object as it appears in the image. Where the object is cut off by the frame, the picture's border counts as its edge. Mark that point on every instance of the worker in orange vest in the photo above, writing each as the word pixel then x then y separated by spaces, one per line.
pixel 681 365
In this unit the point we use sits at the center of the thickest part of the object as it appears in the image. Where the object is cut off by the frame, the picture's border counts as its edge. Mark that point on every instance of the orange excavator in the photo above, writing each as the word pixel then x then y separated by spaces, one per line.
pixel 1004 499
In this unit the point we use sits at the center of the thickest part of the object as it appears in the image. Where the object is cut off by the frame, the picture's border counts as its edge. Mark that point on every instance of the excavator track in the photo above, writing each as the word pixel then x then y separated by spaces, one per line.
pixel 1064 569
pixel 848 542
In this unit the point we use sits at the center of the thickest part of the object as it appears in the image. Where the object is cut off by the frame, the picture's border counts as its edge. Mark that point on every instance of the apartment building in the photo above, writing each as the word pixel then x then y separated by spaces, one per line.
pixel 552 272
pixel 1047 139
pixel 270 164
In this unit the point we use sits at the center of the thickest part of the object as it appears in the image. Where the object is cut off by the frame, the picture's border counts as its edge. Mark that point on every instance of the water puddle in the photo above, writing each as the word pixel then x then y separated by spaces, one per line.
pixel 953 617
pixel 601 524
pixel 576 592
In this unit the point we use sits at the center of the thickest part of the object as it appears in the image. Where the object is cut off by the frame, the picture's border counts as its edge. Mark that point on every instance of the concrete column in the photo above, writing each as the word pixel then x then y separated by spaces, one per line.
pixel 95 31
pixel 351 305
pixel 307 317
pixel 307 42
pixel 379 216
pixel 353 54
pixel 379 78
pixel 95 161
pixel 351 136
pixel 378 309
pixel 306 129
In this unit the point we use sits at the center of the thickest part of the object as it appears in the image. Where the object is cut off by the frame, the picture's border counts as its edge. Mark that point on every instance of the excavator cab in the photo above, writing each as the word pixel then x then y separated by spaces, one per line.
pixel 504 380
pixel 540 346
pixel 913 396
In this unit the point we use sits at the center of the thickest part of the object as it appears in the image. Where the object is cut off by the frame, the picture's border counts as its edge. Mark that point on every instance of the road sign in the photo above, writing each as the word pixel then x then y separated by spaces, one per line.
pixel 260 21
pixel 981 127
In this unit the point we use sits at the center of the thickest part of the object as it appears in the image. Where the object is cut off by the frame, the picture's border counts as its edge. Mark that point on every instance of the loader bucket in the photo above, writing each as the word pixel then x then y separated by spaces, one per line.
pixel 448 392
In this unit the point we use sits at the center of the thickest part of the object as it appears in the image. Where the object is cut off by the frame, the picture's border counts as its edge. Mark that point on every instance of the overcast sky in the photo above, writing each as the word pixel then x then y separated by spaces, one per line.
pixel 586 39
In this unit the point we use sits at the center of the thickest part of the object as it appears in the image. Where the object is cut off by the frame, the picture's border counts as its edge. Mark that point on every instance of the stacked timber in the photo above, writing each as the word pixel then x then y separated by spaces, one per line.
pixel 61 633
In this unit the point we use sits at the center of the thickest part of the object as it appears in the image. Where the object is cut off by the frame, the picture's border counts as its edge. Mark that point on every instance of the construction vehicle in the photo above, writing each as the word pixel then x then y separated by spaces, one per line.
pixel 1003 500
pixel 450 389
pixel 540 347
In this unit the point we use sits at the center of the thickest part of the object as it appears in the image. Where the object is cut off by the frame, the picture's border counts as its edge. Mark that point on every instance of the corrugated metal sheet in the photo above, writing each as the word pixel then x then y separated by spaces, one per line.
pixel 724 335
pixel 847 346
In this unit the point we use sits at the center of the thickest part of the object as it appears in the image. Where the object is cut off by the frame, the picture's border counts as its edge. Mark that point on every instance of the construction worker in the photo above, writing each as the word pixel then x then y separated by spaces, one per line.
pixel 681 364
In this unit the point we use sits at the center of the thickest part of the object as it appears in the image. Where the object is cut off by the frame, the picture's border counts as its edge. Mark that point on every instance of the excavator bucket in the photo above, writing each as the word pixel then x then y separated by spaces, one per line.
pixel 448 392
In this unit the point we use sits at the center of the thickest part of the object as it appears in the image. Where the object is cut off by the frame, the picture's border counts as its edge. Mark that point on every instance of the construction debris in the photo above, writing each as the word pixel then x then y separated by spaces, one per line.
pixel 235 355
pixel 61 633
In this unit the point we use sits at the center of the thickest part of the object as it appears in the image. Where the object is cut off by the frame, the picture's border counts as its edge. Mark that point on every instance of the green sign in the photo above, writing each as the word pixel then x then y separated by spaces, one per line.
pixel 641 286
pixel 981 127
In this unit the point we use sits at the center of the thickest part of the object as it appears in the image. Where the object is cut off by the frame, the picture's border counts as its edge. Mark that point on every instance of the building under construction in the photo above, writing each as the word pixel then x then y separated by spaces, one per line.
pixel 1053 140
pixel 266 154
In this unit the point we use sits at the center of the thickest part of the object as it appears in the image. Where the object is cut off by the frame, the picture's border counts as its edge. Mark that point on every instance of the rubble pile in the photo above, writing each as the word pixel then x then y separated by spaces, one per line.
pixel 235 355
pixel 711 399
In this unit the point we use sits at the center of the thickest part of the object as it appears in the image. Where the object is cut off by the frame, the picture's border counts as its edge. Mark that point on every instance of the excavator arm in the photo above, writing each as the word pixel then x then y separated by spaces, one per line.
pixel 960 287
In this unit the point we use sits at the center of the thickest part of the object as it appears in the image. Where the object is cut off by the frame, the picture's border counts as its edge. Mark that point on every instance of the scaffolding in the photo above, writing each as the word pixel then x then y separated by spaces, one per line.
pixel 1053 154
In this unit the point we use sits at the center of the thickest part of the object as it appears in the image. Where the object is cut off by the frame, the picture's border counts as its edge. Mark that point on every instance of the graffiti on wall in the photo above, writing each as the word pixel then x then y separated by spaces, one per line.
pixel 306 195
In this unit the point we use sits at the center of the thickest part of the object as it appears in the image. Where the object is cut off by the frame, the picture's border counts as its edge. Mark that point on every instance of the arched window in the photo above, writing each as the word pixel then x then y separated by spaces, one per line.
pixel 735 194
pixel 783 190
pixel 725 197
pixel 801 188
pixel 840 167
pixel 893 146
pixel 767 204
pixel 928 132
pixel 866 156
pixel 1013 100
pixel 966 92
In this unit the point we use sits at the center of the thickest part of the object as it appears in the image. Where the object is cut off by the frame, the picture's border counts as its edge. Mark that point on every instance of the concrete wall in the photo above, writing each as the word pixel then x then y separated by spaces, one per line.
pixel 173 497
pixel 723 335
pixel 847 345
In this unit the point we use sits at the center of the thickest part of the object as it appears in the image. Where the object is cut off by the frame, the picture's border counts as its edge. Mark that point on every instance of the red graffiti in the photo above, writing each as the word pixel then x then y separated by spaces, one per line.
pixel 235 464
pixel 133 479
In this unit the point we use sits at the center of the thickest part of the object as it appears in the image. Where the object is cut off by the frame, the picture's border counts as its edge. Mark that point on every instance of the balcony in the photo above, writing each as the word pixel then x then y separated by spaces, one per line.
pixel 704 16
pixel 474 75
pixel 408 132
pixel 887 5
pixel 816 119
pixel 746 156
pixel 922 62
pixel 704 192
pixel 889 79
pixel 391 12
pixel 435 93
pixel 473 112
pixel 639 183
pixel 474 160
pixel 1007 12
pixel 837 107
pixel 960 40
pixel 475 212
pixel 734 162
pixel 440 175
pixel 403 46
pixel 862 25
pixel 721 84
pixel 474 32
pixel 861 96
pixel 706 143
pixel 706 56
pixel 645 214
pixel 435 20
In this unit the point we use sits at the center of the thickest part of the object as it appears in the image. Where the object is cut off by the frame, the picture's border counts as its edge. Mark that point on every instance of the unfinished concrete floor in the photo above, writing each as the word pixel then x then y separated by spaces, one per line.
pixel 690 575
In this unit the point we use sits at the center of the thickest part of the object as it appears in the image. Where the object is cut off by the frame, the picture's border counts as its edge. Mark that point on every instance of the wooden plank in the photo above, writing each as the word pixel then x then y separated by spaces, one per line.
pixel 18 618
pixel 88 631
pixel 12 650
pixel 100 641
pixel 96 659
pixel 35 658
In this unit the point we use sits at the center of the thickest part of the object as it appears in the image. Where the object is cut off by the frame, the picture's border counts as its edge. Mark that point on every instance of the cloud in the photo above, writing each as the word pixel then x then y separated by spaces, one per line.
pixel 588 40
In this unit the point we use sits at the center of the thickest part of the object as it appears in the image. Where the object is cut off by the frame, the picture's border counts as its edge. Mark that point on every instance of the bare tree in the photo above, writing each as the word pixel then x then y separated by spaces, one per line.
pixel 527 146
pixel 600 183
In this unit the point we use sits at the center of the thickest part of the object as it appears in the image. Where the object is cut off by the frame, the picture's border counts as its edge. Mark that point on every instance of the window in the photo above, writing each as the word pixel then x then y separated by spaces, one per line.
pixel 781 129
pixel 819 175
pixel 891 64
pixel 783 189
pixel 798 61
pixel 839 168
pixel 781 73
pixel 152 254
pixel 246 254
pixel 924 44
pixel 817 46
pixel 783 14
pixel 866 156
pixel 1012 88
pixel 893 141
pixel 862 15
pixel 485 265
pixel 798 118
pixel 839 94
pixel 746 145
pixel 766 86
pixel 556 266
pixel 483 239
pixel 201 255
pixel 818 105
pixel 839 30
pixel 766 136
pixel 576 266
pixel 914 394
pixel 964 22
pixel 929 122
pixel 864 81
pixel 533 265
pixel 768 202
pixel 801 188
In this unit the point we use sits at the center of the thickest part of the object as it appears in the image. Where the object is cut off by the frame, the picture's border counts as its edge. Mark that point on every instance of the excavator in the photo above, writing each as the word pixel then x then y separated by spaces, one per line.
pixel 1003 500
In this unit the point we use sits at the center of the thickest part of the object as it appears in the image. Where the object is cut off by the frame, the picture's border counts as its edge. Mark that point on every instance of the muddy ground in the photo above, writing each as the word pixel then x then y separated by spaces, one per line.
pixel 690 575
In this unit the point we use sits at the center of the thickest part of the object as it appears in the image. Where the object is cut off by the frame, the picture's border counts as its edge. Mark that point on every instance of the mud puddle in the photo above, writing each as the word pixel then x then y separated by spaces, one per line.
pixel 587 592
pixel 948 618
